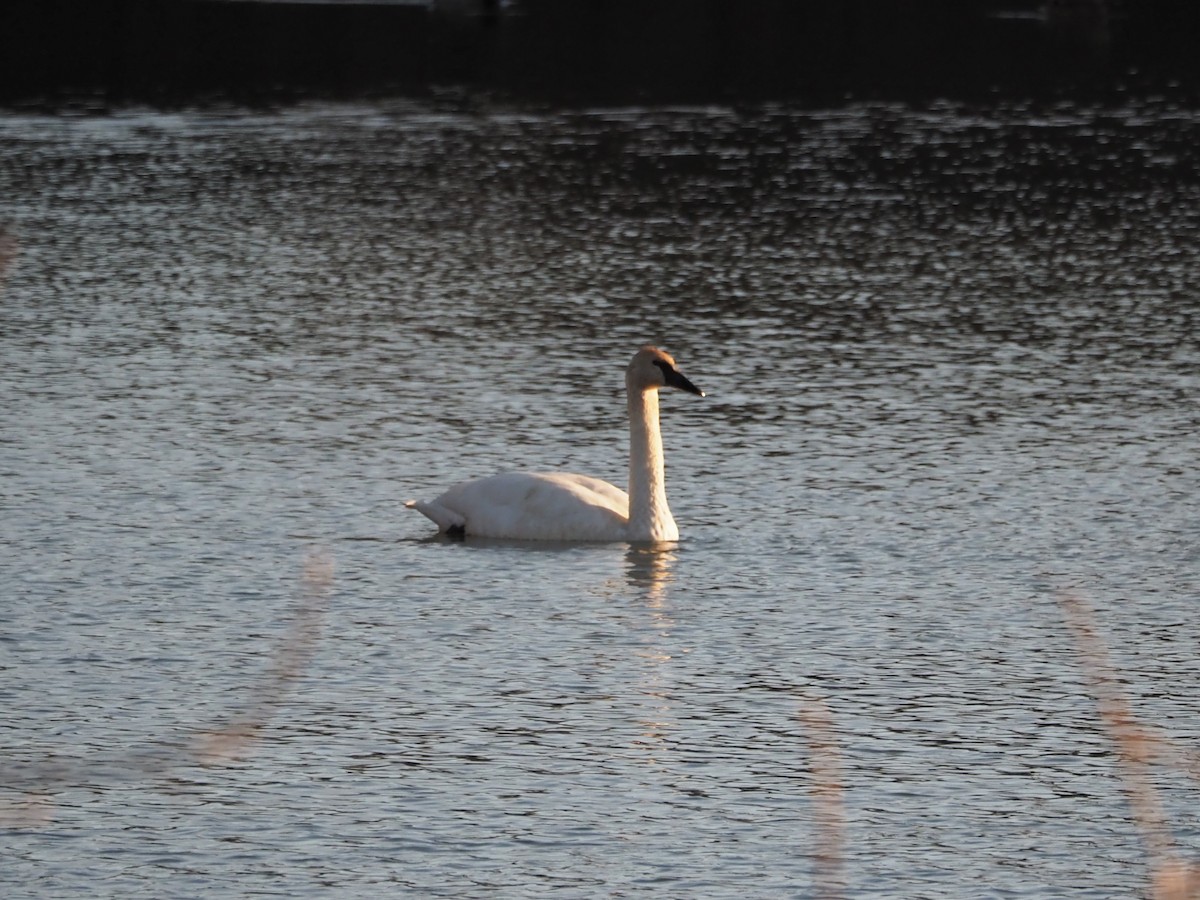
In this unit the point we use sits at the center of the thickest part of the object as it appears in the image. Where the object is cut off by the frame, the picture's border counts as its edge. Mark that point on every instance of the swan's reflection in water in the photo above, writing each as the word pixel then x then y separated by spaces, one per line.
pixel 648 569
pixel 649 573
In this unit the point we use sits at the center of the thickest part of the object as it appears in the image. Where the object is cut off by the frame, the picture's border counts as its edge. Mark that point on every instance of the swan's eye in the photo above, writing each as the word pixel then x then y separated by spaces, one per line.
pixel 662 365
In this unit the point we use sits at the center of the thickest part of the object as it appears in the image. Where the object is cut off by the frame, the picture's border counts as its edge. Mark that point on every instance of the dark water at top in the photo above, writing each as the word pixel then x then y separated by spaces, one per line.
pixel 952 363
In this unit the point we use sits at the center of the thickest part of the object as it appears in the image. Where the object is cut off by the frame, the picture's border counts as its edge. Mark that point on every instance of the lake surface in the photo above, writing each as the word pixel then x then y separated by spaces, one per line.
pixel 952 364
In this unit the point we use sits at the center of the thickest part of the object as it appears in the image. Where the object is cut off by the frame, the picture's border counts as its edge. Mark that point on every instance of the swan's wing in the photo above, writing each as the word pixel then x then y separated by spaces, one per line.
pixel 534 506
pixel 601 491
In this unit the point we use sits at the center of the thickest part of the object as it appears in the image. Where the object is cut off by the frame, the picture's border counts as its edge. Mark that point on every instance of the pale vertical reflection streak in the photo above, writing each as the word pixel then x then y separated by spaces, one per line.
pixel 292 657
pixel 825 766
pixel 1137 748
pixel 8 252
pixel 649 573
pixel 222 744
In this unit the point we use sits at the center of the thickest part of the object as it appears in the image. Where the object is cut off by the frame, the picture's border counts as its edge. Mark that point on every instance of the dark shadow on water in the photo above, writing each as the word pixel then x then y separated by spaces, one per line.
pixel 622 51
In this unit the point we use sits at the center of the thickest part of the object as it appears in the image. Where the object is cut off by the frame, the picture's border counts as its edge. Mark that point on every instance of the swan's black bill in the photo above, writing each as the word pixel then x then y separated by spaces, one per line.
pixel 676 380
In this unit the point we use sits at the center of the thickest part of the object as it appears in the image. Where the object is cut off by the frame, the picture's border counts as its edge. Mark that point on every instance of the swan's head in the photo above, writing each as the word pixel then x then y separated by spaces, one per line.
pixel 652 369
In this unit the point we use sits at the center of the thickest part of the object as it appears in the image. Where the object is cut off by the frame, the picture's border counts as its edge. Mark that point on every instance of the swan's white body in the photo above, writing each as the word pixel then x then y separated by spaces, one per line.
pixel 568 507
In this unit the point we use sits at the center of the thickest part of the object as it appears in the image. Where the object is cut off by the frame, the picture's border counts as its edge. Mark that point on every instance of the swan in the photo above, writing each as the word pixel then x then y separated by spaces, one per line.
pixel 559 506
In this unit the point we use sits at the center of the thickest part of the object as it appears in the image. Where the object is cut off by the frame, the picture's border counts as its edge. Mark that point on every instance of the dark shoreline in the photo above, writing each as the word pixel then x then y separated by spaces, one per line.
pixel 179 52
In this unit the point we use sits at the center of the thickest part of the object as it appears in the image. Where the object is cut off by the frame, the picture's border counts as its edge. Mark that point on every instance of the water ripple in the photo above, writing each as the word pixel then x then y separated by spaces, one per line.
pixel 951 364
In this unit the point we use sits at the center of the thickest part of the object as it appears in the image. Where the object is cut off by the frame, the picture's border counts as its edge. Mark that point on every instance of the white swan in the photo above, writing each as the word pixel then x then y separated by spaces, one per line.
pixel 568 507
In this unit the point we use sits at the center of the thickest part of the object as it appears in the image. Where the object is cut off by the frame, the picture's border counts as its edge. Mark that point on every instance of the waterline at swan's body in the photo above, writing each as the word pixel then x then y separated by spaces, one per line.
pixel 570 507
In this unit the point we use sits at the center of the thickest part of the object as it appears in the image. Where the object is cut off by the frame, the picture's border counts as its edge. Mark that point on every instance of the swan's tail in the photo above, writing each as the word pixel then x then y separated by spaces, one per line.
pixel 445 519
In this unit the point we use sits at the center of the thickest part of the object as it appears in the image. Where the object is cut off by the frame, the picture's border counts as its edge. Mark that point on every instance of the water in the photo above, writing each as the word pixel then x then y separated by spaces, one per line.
pixel 951 360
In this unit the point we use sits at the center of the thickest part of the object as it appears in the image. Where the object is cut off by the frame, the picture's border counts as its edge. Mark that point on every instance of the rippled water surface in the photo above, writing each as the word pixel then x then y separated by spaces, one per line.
pixel 952 364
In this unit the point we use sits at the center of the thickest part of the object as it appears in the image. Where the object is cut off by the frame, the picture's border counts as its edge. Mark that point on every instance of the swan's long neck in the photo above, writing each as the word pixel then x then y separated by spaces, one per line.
pixel 649 516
